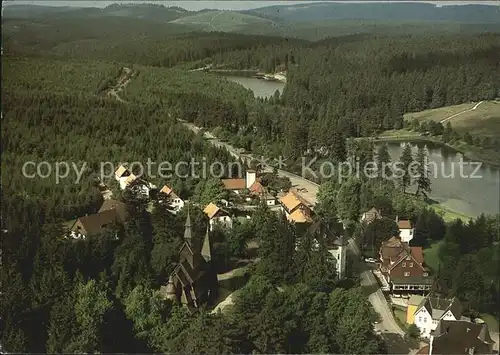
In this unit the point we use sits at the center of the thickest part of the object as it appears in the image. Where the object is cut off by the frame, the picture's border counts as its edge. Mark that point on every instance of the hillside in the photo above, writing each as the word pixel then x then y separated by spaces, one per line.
pixel 223 21
pixel 150 12
pixel 481 120
pixel 382 12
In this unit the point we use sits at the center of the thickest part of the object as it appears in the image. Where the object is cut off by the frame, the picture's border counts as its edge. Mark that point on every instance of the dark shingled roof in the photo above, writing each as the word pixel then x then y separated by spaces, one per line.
pixel 115 205
pixel 437 307
pixel 456 337
pixel 96 223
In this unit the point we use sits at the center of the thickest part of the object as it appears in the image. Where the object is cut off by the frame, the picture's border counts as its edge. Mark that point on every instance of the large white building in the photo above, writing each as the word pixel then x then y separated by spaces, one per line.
pixel 434 309
pixel 336 246
pixel 406 230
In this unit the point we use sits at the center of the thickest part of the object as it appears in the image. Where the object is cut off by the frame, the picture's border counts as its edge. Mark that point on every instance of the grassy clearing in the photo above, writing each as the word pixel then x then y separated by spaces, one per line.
pixel 484 121
pixel 438 114
pixel 400 317
pixel 449 215
pixel 431 255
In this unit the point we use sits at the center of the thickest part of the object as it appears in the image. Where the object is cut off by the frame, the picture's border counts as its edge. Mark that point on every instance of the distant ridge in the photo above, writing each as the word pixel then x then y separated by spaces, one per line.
pixel 408 11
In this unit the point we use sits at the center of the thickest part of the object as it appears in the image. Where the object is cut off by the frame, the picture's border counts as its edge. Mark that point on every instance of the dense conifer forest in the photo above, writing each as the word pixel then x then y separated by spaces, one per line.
pixel 100 294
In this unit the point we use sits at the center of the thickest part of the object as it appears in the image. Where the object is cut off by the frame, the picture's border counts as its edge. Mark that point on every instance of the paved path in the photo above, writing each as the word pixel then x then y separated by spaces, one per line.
pixel 377 299
pixel 387 326
pixel 469 110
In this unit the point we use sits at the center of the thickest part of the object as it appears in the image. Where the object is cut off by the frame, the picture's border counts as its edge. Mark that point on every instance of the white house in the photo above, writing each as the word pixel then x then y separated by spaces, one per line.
pixel 406 230
pixel 122 174
pixel 336 245
pixel 168 195
pixel 339 251
pixel 434 309
pixel 217 216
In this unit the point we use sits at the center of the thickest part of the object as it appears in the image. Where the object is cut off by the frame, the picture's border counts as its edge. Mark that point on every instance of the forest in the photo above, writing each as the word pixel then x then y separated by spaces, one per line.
pixel 65 296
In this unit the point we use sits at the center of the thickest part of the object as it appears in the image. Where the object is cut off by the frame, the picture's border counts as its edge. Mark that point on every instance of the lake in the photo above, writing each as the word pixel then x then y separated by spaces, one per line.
pixel 458 187
pixel 260 87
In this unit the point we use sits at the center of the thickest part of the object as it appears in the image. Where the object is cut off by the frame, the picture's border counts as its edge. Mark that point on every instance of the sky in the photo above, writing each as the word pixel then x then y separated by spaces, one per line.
pixel 202 4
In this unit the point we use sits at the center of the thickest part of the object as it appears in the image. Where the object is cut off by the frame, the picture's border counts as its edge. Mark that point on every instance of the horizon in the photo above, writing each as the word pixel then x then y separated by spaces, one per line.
pixel 228 5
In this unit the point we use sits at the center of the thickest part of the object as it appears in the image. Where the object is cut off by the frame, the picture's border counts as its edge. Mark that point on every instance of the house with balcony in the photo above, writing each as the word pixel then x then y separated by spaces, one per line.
pixel 403 267
pixel 433 309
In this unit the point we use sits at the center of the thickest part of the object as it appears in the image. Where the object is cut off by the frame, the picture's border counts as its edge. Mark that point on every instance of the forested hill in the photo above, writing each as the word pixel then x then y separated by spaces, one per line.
pixel 381 12
pixel 310 21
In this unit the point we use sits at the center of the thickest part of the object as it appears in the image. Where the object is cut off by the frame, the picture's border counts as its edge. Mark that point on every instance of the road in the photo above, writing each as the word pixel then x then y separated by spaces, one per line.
pixel 309 188
pixel 123 80
pixel 471 109
pixel 377 298
pixel 388 327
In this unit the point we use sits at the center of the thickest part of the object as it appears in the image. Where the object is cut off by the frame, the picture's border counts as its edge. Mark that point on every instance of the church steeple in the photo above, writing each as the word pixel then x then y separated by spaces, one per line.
pixel 206 250
pixel 188 235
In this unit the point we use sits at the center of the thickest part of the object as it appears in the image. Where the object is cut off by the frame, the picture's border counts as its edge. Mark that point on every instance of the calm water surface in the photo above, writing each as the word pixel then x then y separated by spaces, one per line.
pixel 470 192
pixel 260 87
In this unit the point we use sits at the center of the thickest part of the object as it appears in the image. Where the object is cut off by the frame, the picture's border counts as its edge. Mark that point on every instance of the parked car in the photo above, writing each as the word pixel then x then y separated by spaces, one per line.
pixel 370 260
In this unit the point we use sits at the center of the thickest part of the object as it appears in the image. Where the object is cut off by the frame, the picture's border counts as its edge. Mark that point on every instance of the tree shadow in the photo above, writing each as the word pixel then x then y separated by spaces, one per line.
pixel 396 344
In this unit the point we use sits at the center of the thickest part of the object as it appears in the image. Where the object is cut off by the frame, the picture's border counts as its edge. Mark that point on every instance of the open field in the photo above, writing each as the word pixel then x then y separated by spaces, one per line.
pixel 222 21
pixel 483 121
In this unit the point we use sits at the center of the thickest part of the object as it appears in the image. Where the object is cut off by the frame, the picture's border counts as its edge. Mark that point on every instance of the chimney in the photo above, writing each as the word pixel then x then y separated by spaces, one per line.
pixel 250 178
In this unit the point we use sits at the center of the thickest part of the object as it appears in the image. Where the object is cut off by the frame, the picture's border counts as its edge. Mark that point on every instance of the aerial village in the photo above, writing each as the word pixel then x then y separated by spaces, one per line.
pixel 406 282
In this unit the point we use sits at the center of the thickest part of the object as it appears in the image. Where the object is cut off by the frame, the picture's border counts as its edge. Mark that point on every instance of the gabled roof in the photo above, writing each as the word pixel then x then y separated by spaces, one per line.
pixel 97 222
pixel 116 205
pixel 408 252
pixel 121 171
pixel 211 210
pixel 292 200
pixel 404 224
pixel 257 188
pixel 457 337
pixel 166 190
pixel 394 251
pixel 299 216
pixel 437 307
pixel 169 192
pixel 130 179
pixel 234 184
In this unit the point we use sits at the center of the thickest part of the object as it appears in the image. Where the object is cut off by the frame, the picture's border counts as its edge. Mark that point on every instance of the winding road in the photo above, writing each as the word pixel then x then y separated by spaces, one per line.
pixel 388 328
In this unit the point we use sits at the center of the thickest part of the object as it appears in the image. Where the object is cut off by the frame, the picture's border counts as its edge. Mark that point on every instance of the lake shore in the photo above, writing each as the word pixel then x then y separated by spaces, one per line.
pixel 469 153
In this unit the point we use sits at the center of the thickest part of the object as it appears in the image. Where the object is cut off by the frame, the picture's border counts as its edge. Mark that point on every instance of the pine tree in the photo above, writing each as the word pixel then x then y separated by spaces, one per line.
pixel 406 160
pixel 423 181
pixel 383 161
